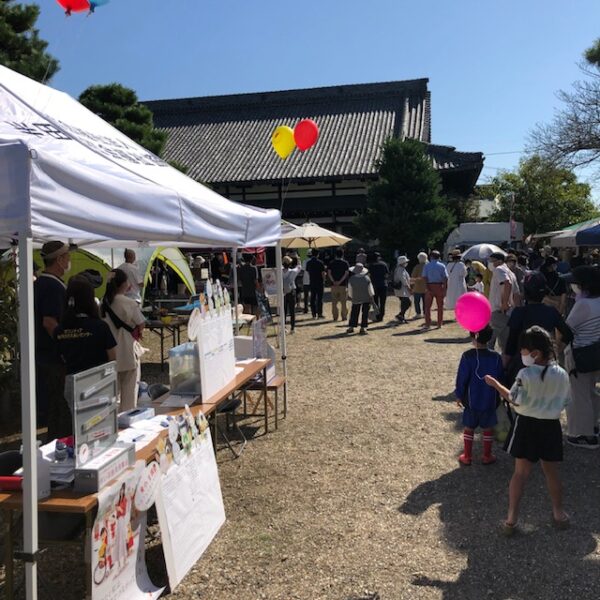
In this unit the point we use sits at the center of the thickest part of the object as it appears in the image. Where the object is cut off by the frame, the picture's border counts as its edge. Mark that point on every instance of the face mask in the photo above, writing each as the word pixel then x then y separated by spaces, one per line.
pixel 492 267
pixel 576 289
pixel 528 360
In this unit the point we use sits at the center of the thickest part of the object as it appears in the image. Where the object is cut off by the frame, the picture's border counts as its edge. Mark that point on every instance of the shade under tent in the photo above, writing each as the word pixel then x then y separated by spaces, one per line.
pixel 66 174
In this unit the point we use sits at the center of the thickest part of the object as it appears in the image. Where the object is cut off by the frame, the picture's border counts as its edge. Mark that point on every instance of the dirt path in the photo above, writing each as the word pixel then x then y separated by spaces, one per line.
pixel 360 492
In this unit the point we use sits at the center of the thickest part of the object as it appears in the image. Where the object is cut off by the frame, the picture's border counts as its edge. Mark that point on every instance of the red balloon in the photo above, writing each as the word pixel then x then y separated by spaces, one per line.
pixel 306 134
pixel 74 5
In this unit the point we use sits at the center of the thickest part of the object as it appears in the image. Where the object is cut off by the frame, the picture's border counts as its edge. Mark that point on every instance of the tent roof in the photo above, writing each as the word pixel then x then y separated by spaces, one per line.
pixel 68 174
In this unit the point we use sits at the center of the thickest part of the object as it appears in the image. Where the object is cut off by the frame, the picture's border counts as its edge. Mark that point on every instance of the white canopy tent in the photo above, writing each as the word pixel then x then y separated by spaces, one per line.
pixel 66 174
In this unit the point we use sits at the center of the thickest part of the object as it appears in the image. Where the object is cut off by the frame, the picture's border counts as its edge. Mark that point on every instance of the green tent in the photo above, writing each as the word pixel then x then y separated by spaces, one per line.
pixel 102 259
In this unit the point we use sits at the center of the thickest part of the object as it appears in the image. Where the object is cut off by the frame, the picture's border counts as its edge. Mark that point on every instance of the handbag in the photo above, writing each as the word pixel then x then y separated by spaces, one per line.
pixel 587 358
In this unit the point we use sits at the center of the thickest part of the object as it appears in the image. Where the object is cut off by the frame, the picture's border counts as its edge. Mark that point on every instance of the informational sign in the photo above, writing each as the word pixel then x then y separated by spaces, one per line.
pixel 269 279
pixel 216 350
pixel 189 503
pixel 117 543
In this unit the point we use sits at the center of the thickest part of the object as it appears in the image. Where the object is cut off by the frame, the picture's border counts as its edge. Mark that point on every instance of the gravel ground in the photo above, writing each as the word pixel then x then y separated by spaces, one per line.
pixel 359 491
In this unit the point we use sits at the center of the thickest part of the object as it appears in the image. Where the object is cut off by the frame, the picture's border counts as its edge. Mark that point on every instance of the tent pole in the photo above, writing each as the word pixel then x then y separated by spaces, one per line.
pixel 28 416
pixel 281 311
pixel 235 290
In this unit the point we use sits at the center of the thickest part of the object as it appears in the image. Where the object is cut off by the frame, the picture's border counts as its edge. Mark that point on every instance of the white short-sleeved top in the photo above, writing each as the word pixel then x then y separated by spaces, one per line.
pixel 541 398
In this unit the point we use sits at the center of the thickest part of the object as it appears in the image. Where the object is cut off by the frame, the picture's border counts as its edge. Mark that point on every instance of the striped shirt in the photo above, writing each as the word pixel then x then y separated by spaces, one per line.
pixel 584 321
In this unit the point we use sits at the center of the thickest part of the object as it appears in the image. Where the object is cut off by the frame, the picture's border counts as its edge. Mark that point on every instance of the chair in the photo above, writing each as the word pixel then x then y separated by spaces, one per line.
pixel 228 409
pixel 273 386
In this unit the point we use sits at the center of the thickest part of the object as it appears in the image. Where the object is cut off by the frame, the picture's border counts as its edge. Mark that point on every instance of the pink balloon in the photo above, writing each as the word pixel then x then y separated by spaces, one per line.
pixel 473 311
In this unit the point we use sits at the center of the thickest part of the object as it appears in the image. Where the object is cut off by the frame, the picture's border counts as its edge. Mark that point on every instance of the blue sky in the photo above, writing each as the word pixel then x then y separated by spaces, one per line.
pixel 494 65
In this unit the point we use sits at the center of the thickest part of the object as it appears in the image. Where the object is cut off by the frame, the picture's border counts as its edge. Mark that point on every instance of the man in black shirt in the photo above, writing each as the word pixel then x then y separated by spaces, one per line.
pixel 378 271
pixel 248 281
pixel 49 304
pixel 339 271
pixel 316 272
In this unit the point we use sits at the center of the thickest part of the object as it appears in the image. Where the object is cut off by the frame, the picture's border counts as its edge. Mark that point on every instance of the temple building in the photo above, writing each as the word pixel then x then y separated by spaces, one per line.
pixel 225 142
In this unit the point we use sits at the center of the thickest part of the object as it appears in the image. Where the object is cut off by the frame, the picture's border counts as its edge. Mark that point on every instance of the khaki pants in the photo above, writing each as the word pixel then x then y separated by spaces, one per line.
pixel 499 325
pixel 339 293
pixel 128 388
pixel 583 411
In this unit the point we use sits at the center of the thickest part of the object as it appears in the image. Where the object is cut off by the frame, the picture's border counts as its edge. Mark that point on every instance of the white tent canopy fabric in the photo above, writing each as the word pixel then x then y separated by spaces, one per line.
pixel 68 174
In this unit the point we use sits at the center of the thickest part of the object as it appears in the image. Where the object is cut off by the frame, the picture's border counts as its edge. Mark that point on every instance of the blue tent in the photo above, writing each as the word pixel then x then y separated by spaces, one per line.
pixel 588 237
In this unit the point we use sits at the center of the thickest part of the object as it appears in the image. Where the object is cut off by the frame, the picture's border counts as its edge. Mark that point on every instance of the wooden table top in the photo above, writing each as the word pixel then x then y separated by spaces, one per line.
pixel 68 501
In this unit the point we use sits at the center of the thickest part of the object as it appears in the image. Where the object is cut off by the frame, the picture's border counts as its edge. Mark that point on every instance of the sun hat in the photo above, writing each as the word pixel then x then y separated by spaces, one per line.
pixel 358 268
pixel 402 260
pixel 54 249
pixel 456 252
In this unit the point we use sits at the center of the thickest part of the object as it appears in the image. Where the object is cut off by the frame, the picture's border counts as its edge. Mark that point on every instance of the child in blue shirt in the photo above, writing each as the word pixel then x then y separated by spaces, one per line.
pixel 475 397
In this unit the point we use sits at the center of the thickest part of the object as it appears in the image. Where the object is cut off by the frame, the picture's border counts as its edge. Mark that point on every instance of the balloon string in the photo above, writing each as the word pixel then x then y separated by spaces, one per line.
pixel 284 193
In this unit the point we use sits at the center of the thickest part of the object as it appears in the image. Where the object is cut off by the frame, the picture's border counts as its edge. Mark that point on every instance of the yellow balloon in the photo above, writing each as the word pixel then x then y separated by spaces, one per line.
pixel 283 141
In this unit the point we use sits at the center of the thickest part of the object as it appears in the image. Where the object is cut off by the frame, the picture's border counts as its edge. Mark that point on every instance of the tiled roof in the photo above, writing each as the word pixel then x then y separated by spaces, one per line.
pixel 227 139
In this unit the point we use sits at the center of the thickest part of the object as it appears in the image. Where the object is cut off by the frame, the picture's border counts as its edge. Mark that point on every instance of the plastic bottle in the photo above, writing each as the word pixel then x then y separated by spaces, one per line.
pixel 43 474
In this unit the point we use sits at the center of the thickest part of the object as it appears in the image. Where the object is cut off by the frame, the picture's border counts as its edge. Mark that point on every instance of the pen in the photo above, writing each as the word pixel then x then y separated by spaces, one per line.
pixel 138 438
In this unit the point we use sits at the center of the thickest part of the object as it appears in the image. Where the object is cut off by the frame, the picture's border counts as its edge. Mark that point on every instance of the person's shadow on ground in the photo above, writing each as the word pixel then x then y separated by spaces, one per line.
pixel 538 562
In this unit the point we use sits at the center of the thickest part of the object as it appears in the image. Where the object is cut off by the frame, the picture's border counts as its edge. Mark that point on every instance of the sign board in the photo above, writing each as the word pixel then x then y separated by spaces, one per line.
pixel 189 504
pixel 216 351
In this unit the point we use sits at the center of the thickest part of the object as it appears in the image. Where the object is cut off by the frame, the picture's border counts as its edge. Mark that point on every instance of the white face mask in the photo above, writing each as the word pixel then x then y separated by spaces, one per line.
pixel 492 267
pixel 528 360
pixel 576 289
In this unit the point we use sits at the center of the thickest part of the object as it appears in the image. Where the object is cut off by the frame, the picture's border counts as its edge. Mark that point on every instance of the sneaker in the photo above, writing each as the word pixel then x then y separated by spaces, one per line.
pixel 463 459
pixel 589 442
pixel 350 330
pixel 292 331
pixel 488 460
pixel 363 331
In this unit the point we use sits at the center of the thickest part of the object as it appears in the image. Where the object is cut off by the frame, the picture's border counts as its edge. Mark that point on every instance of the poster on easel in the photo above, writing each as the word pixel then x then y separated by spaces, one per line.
pixel 117 542
pixel 189 503
pixel 269 281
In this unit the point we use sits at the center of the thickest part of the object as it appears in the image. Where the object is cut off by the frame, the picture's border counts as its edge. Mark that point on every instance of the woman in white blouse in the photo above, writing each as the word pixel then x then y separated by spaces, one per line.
pixel 126 323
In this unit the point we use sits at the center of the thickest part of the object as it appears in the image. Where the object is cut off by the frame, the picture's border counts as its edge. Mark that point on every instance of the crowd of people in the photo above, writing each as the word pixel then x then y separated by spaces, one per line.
pixel 540 352
pixel 75 332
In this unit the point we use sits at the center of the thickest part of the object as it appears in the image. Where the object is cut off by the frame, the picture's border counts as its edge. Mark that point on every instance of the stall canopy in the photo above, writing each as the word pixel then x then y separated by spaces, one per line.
pixel 589 236
pixel 68 174
pixel 567 238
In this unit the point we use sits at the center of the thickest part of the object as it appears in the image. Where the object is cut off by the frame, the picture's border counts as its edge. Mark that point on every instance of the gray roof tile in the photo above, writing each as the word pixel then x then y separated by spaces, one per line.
pixel 227 139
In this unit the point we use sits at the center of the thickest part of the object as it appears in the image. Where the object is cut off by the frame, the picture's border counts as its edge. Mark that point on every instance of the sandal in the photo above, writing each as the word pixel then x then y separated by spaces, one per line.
pixel 562 524
pixel 508 529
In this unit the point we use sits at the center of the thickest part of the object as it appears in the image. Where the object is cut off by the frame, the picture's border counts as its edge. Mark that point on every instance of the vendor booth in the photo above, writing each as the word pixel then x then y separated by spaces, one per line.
pixel 66 174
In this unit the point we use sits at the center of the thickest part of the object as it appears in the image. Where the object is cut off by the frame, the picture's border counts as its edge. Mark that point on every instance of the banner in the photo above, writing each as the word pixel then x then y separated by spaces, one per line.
pixel 189 503
pixel 117 543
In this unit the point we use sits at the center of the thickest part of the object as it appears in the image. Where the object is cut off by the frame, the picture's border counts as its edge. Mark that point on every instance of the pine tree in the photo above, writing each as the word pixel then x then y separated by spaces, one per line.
pixel 405 210
pixel 119 106
pixel 21 48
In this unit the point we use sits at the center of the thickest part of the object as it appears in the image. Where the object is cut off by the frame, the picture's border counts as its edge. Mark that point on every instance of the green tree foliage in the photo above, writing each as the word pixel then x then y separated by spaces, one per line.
pixel 572 139
pixel 21 48
pixel 120 106
pixel 546 197
pixel 404 208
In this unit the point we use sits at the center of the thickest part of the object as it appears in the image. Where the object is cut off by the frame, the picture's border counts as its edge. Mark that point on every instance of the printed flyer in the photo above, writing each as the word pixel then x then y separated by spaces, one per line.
pixel 117 543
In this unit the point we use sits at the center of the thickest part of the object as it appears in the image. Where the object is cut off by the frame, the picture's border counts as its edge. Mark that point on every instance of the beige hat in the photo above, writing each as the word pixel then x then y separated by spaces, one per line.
pixel 54 249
